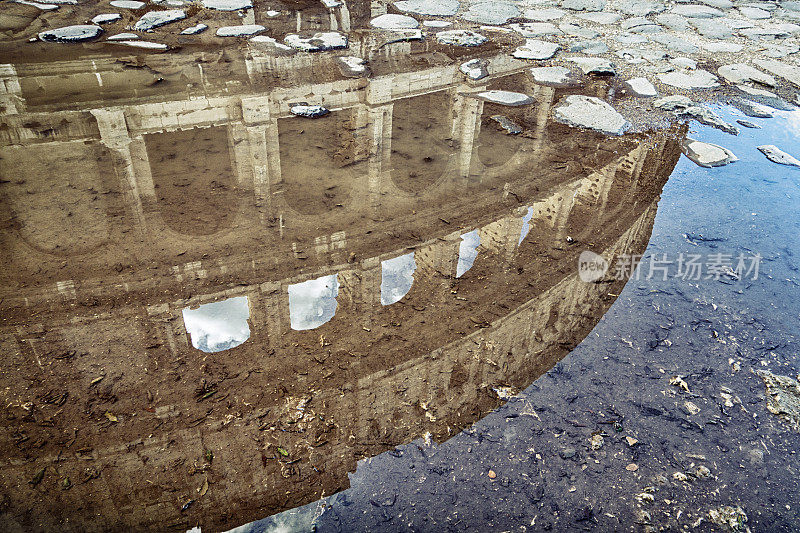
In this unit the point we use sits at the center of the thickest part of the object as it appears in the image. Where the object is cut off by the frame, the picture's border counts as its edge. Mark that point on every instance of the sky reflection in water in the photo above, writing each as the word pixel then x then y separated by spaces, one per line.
pixel 218 326
pixel 397 276
pixel 313 302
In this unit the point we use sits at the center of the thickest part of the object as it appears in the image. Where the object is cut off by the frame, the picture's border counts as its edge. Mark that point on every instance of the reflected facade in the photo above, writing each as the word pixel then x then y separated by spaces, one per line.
pixel 377 278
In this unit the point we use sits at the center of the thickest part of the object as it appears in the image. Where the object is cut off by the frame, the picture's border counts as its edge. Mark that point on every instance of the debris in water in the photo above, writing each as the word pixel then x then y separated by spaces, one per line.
pixel 783 397
pixel 732 519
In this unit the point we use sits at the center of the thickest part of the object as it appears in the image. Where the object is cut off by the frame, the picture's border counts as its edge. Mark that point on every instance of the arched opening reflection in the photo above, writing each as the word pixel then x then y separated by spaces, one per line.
pixel 218 326
pixel 313 302
pixel 467 251
pixel 397 276
pixel 421 140
pixel 526 225
pixel 193 178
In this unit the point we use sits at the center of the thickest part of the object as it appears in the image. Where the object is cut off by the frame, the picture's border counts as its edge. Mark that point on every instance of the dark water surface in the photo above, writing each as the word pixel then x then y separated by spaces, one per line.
pixel 529 465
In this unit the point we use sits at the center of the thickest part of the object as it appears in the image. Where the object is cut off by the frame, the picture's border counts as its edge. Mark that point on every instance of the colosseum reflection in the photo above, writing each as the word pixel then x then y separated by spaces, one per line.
pixel 381 272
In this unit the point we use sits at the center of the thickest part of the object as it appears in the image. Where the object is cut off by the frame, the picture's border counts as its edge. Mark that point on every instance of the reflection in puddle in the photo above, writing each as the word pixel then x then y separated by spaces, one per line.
pixel 218 326
pixel 282 200
pixel 467 251
pixel 397 276
pixel 526 225
pixel 313 302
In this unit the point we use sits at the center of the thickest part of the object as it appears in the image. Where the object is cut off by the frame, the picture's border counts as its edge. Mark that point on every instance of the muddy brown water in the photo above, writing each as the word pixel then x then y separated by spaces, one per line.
pixel 126 203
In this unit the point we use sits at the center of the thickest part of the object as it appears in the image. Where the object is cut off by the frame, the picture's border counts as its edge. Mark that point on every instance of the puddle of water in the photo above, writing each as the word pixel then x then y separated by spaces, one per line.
pixel 218 326
pixel 746 206
pixel 430 177
pixel 467 252
pixel 313 302
pixel 397 276
pixel 526 225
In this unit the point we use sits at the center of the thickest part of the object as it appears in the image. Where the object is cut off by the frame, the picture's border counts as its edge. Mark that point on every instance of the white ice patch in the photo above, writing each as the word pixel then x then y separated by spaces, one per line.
pixel 697 79
pixel 642 87
pixel 475 69
pixel 467 252
pixel 219 325
pixel 397 277
pixel 154 19
pixel 313 302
